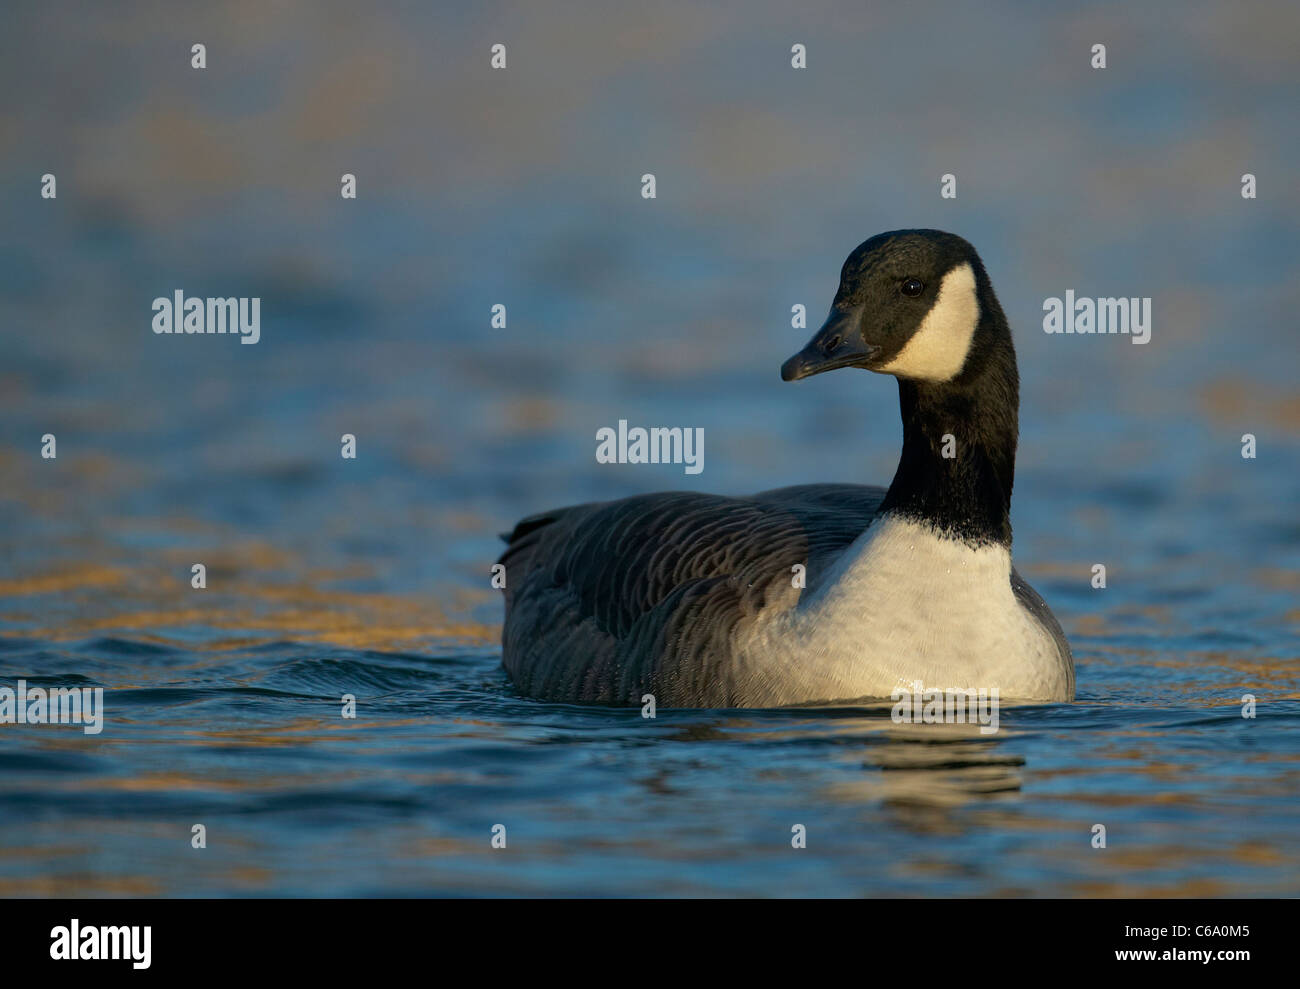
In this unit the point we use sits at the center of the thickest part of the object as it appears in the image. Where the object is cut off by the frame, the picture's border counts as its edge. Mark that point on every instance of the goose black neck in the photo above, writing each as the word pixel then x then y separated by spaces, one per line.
pixel 958 462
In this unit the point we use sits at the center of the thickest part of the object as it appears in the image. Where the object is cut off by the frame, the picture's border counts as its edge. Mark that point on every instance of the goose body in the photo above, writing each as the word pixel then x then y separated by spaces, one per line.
pixel 825 591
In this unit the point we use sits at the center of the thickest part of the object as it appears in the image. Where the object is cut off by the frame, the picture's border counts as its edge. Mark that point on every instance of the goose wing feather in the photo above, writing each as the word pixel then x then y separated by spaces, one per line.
pixel 608 601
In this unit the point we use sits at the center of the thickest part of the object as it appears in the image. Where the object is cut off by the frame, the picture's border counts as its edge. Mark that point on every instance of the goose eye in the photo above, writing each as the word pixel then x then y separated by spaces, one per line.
pixel 913 287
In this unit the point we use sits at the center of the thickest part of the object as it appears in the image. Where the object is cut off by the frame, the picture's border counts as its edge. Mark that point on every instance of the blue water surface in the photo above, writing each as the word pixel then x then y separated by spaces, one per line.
pixel 370 577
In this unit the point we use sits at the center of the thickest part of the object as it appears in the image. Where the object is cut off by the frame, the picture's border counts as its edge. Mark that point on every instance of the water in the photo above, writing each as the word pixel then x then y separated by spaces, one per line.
pixel 370 577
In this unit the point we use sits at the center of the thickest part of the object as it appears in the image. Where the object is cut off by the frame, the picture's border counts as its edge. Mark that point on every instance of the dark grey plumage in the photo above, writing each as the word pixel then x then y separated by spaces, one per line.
pixel 606 602
pixel 609 601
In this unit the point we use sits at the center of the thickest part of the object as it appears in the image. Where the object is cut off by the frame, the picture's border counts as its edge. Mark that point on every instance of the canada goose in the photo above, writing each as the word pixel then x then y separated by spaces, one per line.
pixel 695 598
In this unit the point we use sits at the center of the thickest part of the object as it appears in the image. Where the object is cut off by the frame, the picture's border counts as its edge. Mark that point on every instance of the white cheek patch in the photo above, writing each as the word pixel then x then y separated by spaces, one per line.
pixel 938 348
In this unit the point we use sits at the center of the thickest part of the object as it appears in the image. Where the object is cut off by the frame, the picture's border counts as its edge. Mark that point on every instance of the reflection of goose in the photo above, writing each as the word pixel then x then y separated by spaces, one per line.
pixel 690 597
pixel 928 767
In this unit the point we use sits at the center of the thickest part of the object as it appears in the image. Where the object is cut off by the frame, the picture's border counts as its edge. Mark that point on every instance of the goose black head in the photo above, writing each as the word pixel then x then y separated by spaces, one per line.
pixel 912 303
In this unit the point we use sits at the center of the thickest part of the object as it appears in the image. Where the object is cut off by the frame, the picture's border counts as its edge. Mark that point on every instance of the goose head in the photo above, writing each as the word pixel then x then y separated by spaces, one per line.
pixel 912 303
